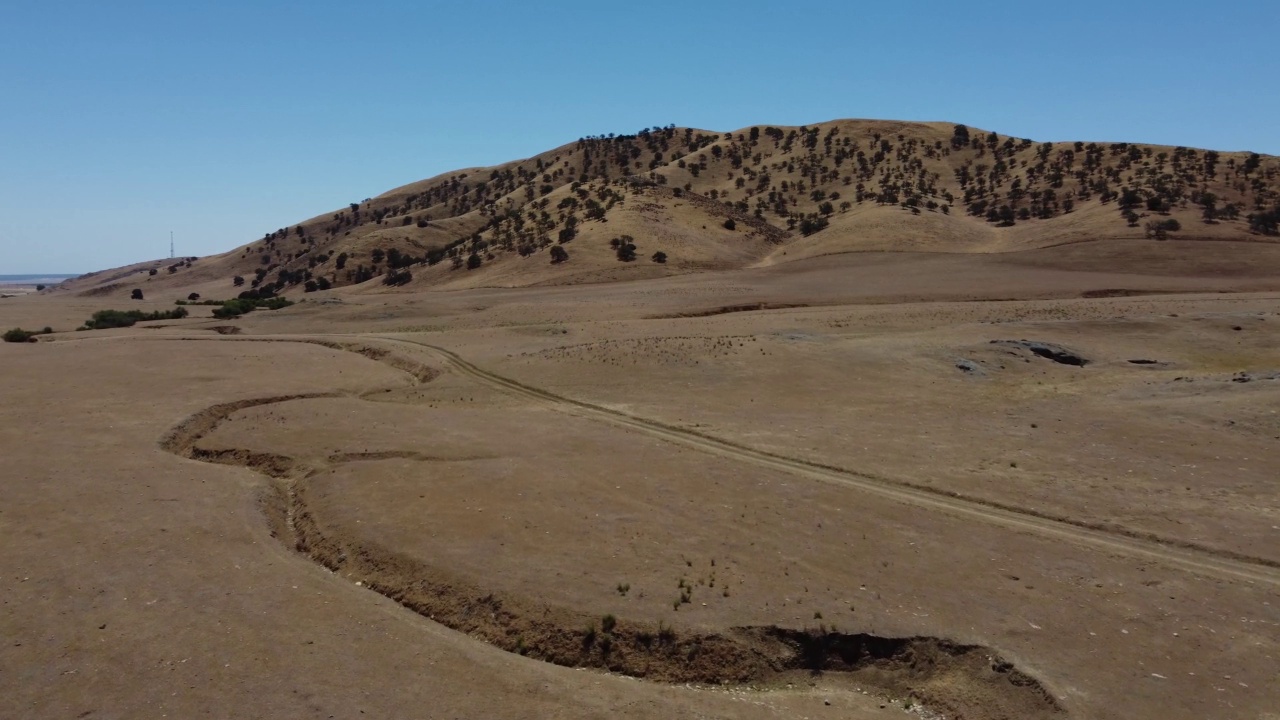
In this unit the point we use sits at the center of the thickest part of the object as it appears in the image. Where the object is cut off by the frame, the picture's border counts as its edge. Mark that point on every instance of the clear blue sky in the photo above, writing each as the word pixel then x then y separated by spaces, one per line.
pixel 121 121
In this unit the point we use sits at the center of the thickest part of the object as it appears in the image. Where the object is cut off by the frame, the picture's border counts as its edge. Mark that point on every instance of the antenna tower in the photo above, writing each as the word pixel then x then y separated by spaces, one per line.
pixel 170 244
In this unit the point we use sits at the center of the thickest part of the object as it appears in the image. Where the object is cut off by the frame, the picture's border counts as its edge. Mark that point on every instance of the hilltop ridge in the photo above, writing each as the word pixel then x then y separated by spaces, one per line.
pixel 670 200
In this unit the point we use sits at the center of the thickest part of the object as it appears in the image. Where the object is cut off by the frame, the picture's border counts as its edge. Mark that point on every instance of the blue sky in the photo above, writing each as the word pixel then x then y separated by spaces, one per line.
pixel 122 121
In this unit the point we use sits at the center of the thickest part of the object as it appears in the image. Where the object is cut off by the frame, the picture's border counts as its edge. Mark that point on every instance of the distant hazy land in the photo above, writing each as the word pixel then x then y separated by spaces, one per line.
pixel 35 279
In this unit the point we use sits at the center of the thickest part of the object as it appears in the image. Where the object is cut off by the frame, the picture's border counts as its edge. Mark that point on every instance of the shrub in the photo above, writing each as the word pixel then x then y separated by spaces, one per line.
pixel 18 335
pixel 104 319
pixel 39 288
pixel 1160 229
pixel 193 297
pixel 242 305
pixel 136 294
pixel 233 308
pixel 730 224
pixel 397 277
pixel 659 257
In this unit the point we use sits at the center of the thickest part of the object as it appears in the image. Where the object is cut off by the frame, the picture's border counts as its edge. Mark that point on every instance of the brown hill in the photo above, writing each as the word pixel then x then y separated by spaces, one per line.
pixel 761 195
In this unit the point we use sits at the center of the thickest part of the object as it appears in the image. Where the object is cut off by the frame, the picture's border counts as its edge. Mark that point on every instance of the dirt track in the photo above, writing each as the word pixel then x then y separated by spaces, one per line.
pixel 1196 559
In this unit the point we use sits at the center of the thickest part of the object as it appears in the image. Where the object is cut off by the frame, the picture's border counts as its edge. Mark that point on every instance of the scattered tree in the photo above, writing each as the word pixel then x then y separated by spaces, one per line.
pixel 558 254
pixel 136 294
pixel 1265 222
pixel 659 257
pixel 1209 207
pixel 809 226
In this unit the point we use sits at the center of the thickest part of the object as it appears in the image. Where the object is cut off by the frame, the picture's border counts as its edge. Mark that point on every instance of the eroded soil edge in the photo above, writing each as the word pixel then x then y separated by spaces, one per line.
pixel 954 679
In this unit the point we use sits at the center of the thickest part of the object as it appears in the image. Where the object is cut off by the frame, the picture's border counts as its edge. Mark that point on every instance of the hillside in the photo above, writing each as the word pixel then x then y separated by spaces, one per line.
pixel 760 195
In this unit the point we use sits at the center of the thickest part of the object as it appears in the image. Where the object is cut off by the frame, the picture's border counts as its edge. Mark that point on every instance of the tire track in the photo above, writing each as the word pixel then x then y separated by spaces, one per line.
pixel 1186 556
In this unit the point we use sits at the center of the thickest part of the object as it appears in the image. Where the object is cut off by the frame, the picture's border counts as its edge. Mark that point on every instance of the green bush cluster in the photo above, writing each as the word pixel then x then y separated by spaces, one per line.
pixel 240 306
pixel 104 319
pixel 18 335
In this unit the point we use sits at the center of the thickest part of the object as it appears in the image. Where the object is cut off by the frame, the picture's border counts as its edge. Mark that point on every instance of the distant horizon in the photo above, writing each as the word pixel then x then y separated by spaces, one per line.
pixel 39 276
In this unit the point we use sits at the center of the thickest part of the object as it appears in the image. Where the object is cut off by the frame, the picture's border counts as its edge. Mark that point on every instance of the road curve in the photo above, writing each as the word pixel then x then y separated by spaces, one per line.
pixel 1196 559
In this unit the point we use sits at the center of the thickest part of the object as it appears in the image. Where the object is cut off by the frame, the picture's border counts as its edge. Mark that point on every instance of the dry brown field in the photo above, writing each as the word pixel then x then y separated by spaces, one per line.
pixel 878 485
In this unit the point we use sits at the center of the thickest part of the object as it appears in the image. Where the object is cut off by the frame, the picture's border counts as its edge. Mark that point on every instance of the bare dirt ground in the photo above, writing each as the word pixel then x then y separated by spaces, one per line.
pixel 851 486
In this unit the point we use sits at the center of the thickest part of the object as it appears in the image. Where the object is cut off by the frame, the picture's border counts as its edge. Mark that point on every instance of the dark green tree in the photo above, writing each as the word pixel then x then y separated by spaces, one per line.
pixel 1209 207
